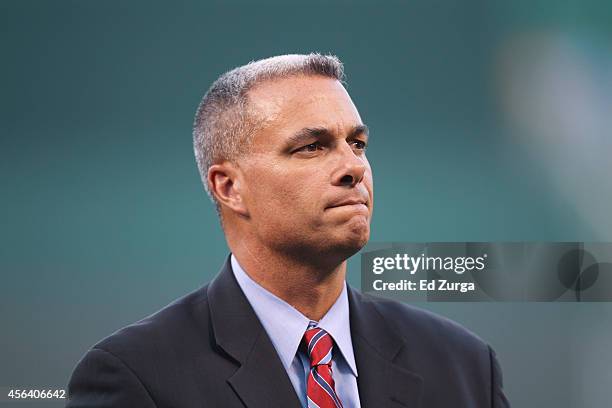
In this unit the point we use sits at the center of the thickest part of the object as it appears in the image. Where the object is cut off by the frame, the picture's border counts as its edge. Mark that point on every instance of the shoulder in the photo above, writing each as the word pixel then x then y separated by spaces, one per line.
pixel 168 333
pixel 125 368
pixel 438 350
pixel 419 326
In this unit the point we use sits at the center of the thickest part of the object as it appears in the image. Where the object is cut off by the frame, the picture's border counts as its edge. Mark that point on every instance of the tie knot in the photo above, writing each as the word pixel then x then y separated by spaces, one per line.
pixel 319 346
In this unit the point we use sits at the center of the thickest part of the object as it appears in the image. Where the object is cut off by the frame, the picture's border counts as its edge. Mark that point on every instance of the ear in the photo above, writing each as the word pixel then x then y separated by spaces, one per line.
pixel 225 183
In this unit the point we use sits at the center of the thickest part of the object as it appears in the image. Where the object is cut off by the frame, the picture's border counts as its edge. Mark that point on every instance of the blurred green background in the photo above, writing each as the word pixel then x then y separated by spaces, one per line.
pixel 490 121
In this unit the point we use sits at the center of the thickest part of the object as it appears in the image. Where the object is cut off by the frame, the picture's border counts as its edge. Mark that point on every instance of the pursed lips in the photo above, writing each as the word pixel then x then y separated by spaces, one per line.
pixel 348 202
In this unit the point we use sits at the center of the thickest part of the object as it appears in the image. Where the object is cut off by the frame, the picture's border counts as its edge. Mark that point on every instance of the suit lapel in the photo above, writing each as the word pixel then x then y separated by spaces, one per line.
pixel 261 380
pixel 381 382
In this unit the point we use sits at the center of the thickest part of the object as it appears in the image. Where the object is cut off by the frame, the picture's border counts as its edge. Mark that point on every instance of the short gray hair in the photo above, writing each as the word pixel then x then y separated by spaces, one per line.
pixel 225 123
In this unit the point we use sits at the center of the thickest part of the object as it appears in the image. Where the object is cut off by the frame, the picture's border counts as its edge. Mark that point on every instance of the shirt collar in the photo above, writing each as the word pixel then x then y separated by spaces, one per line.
pixel 285 325
pixel 337 323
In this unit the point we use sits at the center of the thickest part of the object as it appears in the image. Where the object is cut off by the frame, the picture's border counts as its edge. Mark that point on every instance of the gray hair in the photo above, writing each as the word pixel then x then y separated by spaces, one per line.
pixel 225 123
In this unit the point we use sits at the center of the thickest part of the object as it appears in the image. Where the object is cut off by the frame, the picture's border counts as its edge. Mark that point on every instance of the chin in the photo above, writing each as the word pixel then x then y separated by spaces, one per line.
pixel 359 228
pixel 354 236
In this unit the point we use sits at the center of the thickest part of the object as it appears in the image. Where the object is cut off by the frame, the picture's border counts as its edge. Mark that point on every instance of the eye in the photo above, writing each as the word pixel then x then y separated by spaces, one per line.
pixel 312 147
pixel 359 144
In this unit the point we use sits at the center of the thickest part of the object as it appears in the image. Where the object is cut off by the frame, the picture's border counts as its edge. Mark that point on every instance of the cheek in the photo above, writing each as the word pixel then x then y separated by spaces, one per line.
pixel 368 181
pixel 276 193
pixel 285 211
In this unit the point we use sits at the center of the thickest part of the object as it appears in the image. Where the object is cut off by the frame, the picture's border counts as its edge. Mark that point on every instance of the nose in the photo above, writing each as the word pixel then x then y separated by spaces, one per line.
pixel 350 167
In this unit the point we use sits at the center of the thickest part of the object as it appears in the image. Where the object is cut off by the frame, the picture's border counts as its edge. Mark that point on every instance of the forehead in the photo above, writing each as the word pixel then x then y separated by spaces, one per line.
pixel 290 104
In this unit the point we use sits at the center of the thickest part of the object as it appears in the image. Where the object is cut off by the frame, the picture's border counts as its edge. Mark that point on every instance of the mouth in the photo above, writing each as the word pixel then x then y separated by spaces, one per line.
pixel 354 203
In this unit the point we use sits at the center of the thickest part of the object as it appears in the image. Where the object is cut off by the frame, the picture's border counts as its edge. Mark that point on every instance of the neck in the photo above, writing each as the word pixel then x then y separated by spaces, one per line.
pixel 310 288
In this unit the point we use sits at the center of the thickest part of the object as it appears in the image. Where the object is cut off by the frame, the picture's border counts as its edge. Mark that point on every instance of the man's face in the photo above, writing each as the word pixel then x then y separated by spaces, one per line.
pixel 307 182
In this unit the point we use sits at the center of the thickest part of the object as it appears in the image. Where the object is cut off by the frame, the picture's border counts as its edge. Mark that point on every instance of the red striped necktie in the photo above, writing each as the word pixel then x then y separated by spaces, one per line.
pixel 321 390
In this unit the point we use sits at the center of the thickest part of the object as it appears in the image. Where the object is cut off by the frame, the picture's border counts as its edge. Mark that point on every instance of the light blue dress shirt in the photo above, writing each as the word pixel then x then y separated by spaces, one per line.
pixel 285 326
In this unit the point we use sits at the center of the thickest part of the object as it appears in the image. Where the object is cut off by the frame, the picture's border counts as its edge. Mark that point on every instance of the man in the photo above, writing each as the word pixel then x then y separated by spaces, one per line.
pixel 281 150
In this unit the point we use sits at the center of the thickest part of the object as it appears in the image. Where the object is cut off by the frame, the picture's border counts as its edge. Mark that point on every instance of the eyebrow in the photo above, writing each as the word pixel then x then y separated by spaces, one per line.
pixel 308 133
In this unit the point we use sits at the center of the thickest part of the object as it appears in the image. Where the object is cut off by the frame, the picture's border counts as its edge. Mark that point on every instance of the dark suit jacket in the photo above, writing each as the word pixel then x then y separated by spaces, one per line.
pixel 208 350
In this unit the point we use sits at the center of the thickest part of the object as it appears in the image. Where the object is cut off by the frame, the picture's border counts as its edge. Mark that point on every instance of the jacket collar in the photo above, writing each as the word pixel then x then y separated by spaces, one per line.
pixel 382 382
pixel 261 380
pixel 238 332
